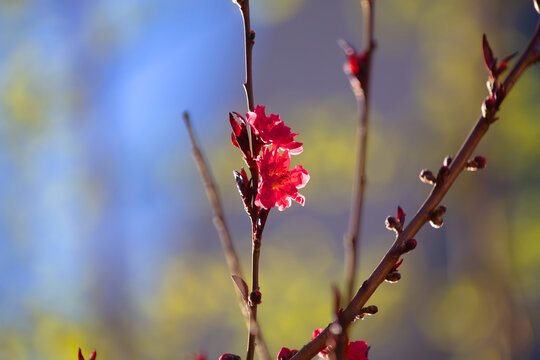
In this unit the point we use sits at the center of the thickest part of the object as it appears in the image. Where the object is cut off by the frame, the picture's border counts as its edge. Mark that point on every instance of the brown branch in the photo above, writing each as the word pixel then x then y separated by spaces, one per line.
pixel 351 241
pixel 222 229
pixel 249 37
pixel 423 215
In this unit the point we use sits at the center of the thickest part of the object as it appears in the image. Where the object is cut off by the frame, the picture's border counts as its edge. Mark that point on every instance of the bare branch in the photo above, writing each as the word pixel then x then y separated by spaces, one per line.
pixel 440 189
pixel 223 231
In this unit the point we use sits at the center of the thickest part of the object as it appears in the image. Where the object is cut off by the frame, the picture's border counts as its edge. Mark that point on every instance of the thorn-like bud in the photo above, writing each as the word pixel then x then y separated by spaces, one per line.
pixel 393 277
pixel 401 215
pixel 447 161
pixel 408 245
pixel 427 177
pixel 479 162
pixel 255 297
pixel 489 59
pixel 443 174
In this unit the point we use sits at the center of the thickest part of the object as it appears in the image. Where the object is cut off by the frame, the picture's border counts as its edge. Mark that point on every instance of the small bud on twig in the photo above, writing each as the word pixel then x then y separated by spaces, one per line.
pixel 392 224
pixel 255 297
pixel 393 277
pixel 427 177
pixel 367 311
pixel 479 162
pixel 401 215
pixel 408 245
pixel 447 161
pixel 443 174
pixel 436 216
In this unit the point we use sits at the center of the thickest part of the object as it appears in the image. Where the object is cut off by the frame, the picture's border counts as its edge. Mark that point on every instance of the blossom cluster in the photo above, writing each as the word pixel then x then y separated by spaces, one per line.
pixel 267 145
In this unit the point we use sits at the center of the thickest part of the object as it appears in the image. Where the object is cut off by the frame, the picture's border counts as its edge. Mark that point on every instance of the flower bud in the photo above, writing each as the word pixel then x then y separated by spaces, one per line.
pixel 408 245
pixel 393 277
pixel 436 222
pixel 255 297
pixel 393 224
pixel 479 162
pixel 427 177
pixel 447 161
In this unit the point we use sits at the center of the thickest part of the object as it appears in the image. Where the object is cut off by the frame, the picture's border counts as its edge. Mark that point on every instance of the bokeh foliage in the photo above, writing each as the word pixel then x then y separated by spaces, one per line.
pixel 106 239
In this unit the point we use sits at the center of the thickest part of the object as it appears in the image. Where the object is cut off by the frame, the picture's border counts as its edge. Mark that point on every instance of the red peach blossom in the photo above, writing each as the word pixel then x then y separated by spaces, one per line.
pixel 278 185
pixel 357 350
pixel 286 353
pixel 272 130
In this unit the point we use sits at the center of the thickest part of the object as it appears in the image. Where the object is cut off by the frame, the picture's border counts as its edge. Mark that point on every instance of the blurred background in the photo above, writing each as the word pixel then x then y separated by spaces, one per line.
pixel 106 237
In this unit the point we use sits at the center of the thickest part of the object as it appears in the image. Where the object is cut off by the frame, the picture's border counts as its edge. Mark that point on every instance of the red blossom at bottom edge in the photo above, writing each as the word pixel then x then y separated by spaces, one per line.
pixel 286 353
pixel 357 350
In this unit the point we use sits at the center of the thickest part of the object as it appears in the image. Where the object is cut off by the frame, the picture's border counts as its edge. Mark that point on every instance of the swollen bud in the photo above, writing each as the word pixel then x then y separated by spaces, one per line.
pixel 427 177
pixel 368 310
pixel 408 245
pixel 393 277
pixel 447 161
pixel 255 297
pixel 436 216
pixel 479 162
pixel 393 224
pixel 537 5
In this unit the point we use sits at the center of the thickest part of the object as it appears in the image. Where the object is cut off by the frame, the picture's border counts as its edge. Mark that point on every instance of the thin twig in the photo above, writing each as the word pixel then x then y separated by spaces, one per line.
pixel 351 240
pixel 423 215
pixel 222 229
pixel 249 37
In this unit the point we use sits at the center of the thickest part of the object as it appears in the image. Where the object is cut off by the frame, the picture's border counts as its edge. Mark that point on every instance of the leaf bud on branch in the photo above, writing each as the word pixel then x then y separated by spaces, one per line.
pixel 435 216
pixel 478 163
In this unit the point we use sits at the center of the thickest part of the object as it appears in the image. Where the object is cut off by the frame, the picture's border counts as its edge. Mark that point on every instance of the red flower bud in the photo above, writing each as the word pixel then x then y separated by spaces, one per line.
pixel 229 357
pixel 401 215
pixel 255 297
pixel 427 177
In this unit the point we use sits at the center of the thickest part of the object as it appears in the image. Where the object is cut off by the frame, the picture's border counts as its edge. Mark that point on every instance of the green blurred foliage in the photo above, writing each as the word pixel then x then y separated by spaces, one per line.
pixel 477 298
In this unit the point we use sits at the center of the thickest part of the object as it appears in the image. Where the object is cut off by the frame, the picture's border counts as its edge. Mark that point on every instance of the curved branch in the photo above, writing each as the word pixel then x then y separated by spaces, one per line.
pixel 423 215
